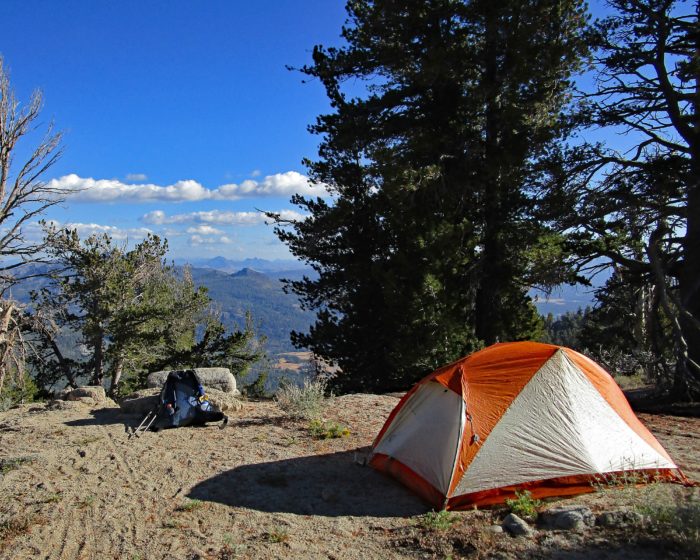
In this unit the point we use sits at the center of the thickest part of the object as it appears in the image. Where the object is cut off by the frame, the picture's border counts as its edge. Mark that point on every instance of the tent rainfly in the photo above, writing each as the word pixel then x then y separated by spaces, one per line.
pixel 516 416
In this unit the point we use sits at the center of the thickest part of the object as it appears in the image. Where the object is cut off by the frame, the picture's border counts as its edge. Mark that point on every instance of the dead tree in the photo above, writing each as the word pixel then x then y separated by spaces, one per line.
pixel 24 196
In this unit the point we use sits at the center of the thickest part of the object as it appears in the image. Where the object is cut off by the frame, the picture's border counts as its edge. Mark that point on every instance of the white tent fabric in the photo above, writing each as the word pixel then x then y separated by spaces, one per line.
pixel 426 433
pixel 559 425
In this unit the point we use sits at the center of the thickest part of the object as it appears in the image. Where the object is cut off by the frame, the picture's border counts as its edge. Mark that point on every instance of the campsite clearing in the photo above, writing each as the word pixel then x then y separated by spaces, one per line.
pixel 73 485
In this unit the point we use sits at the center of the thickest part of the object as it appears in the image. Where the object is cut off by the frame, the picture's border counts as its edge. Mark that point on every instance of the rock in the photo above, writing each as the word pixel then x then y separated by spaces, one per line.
pixel 140 402
pixel 88 395
pixel 495 529
pixel 211 378
pixel 568 518
pixel 227 402
pixel 516 526
pixel 621 518
pixel 145 400
pixel 64 405
pixel 62 394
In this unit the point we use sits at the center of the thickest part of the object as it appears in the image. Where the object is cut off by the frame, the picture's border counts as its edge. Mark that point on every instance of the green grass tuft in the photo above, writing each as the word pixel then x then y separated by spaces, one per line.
pixel 437 520
pixel 190 505
pixel 524 505
pixel 320 429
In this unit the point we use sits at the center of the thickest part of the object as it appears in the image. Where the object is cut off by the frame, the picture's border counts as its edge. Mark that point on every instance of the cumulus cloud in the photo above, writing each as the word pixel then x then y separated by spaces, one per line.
pixel 204 230
pixel 133 177
pixel 86 230
pixel 112 190
pixel 35 230
pixel 205 240
pixel 218 217
pixel 280 184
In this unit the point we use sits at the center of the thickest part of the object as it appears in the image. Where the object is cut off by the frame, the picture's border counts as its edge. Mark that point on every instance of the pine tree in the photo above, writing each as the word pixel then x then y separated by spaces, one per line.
pixel 640 207
pixel 424 251
pixel 133 312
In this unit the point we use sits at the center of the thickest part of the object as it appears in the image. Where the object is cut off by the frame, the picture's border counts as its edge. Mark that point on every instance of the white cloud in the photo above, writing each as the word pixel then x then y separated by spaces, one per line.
pixel 133 177
pixel 86 230
pixel 203 240
pixel 35 230
pixel 112 190
pixel 218 217
pixel 279 184
pixel 255 173
pixel 204 230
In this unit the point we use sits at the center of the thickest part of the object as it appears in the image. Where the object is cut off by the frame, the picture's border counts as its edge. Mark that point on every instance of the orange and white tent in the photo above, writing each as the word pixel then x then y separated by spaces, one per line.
pixel 515 416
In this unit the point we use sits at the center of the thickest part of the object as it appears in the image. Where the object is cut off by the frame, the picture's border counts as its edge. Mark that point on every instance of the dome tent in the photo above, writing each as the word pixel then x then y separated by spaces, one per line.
pixel 515 416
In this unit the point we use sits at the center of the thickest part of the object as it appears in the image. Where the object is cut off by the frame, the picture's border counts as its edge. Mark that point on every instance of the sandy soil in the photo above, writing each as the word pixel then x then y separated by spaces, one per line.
pixel 78 486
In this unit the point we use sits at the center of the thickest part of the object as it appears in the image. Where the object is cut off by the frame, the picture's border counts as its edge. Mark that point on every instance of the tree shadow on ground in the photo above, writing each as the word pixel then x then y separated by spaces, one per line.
pixel 108 416
pixel 330 485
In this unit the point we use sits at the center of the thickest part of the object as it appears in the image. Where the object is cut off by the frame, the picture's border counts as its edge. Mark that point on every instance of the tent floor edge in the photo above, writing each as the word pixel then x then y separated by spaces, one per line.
pixel 567 486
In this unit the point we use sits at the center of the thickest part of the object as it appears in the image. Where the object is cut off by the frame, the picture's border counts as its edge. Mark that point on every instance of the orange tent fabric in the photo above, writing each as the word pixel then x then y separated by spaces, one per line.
pixel 515 416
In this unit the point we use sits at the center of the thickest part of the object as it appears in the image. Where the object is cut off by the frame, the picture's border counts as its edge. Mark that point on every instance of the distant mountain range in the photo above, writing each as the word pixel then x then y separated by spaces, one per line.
pixel 274 312
pixel 254 285
pixel 278 268
pixel 563 299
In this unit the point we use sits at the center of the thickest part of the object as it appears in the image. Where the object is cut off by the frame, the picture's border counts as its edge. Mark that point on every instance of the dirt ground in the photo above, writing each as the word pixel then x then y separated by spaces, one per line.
pixel 74 485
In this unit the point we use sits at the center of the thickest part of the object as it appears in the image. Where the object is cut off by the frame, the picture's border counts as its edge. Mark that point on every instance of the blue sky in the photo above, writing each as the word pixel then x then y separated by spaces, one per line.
pixel 192 100
pixel 180 117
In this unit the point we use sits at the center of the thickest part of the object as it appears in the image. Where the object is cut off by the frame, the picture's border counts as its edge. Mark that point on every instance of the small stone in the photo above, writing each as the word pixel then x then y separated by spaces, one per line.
pixel 81 453
pixel 567 518
pixel 621 518
pixel 516 526
pixel 495 529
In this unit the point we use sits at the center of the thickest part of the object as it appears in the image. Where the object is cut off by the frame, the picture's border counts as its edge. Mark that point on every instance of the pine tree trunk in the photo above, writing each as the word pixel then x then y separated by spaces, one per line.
pixel 98 371
pixel 690 287
pixel 65 368
pixel 116 376
pixel 488 309
pixel 6 312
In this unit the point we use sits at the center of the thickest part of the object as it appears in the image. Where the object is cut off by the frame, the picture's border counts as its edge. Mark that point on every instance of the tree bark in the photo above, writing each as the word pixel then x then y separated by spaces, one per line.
pixel 5 318
pixel 488 308
pixel 116 376
pixel 98 371
pixel 65 368
pixel 690 276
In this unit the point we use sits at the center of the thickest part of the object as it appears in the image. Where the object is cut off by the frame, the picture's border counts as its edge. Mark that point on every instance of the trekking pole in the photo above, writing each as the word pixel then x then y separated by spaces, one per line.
pixel 155 415
pixel 145 423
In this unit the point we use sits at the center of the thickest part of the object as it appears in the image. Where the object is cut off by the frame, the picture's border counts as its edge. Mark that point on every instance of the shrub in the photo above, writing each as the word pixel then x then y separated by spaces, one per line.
pixel 256 389
pixel 327 430
pixel 305 402
pixel 524 505
pixel 437 520
pixel 278 535
pixel 18 391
